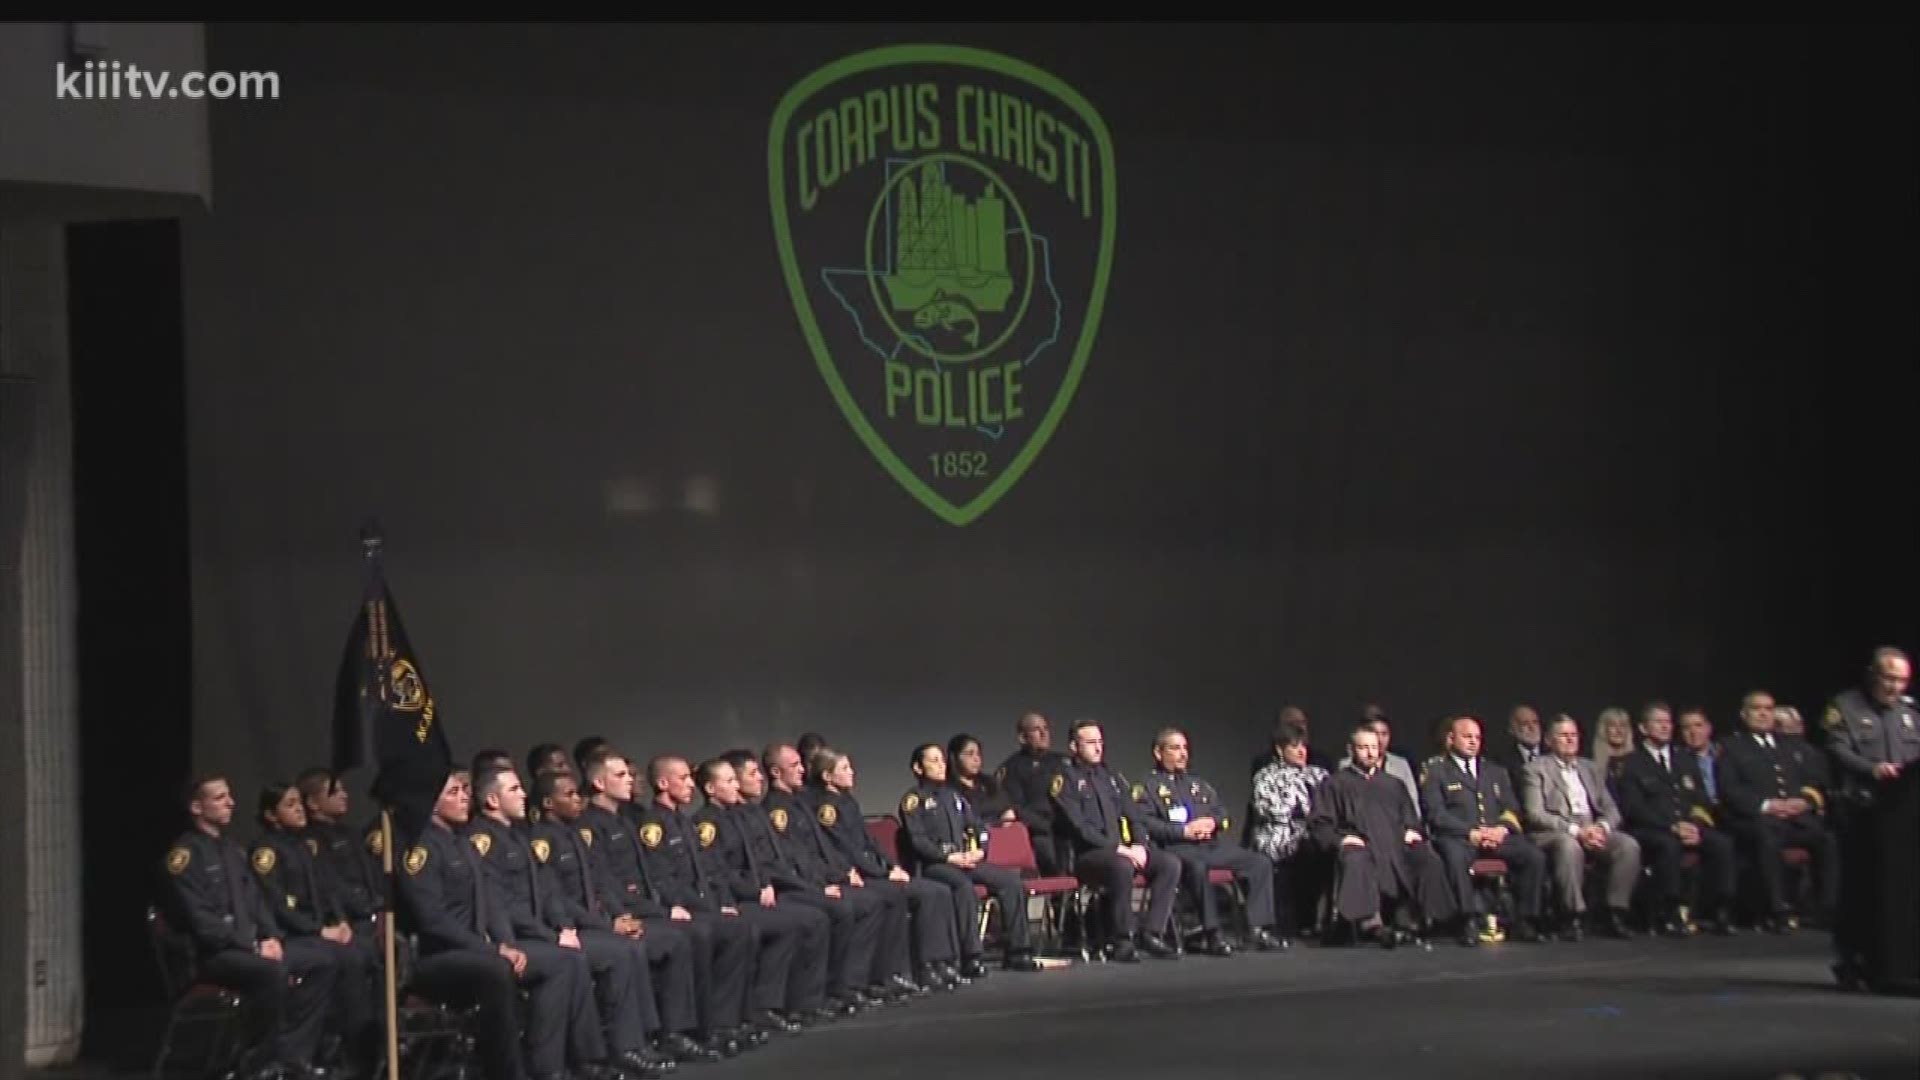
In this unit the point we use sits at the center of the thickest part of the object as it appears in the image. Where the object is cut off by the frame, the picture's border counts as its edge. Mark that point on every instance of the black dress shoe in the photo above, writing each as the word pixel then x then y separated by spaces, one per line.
pixel 773 1022
pixel 644 1063
pixel 1573 931
pixel 1263 939
pixel 1123 952
pixel 906 986
pixel 1525 931
pixel 1022 961
pixel 974 968
pixel 1156 946
pixel 680 1048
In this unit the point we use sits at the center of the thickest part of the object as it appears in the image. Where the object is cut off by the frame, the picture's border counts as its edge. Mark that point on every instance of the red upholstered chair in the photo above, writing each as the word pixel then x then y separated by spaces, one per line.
pixel 1490 874
pixel 1010 845
pixel 885 833
pixel 209 1010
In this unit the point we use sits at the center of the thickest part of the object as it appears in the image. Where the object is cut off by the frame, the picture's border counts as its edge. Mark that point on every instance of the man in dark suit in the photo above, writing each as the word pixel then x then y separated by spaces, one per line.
pixel 1771 804
pixel 1663 803
pixel 1472 812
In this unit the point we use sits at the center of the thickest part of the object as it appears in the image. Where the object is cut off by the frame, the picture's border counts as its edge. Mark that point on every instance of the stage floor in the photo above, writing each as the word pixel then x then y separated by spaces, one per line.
pixel 1752 1007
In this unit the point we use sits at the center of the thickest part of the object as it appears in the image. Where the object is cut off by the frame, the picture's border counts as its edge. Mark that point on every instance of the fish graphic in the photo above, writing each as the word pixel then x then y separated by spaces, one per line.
pixel 950 315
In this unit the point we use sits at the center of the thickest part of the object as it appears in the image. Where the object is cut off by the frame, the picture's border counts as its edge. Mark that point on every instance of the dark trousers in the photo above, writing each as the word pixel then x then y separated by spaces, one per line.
pixel 1526 872
pixel 1763 837
pixel 792 968
pixel 1010 896
pixel 1112 873
pixel 935 940
pixel 622 988
pixel 472 977
pixel 1198 860
pixel 676 971
pixel 562 1023
pixel 354 994
pixel 287 1022
pixel 1661 850
pixel 855 920
pixel 724 951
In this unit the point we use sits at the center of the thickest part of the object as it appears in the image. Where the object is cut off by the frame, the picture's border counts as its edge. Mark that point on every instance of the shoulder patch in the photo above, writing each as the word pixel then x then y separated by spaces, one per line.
pixel 177 860
pixel 263 859
pixel 909 802
pixel 1059 784
pixel 829 816
pixel 541 849
pixel 1834 719
pixel 416 859
pixel 586 836
pixel 483 843
pixel 709 832
pixel 778 817
pixel 377 843
pixel 651 834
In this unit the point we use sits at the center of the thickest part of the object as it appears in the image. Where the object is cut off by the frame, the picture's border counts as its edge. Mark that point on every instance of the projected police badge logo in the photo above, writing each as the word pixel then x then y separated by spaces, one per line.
pixel 945 218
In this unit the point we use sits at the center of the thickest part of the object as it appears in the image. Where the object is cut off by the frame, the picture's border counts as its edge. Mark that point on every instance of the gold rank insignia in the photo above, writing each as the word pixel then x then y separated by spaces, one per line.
pixel 651 834
pixel 778 816
pixel 1140 792
pixel 828 815
pixel 416 860
pixel 1059 784
pixel 313 846
pixel 263 860
pixel 541 848
pixel 292 904
pixel 708 833
pixel 909 803
pixel 177 860
pixel 377 843
pixel 1165 792
pixel 586 836
pixel 1834 718
pixel 483 843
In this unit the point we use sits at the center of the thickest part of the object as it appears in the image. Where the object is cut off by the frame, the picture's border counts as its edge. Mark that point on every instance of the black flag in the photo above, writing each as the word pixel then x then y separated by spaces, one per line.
pixel 384 714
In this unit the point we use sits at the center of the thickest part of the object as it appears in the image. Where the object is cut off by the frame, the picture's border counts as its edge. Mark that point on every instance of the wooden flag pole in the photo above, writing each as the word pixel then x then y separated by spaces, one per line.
pixel 393 994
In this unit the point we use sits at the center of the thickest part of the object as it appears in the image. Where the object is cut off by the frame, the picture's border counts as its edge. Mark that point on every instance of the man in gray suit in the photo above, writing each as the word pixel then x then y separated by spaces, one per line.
pixel 1572 815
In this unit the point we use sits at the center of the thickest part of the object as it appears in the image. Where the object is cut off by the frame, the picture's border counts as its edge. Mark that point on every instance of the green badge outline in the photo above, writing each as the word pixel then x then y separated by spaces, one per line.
pixel 963 56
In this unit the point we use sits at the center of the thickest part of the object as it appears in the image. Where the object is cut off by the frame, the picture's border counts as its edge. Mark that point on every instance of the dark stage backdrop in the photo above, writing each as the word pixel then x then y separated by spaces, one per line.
pixel 1442 367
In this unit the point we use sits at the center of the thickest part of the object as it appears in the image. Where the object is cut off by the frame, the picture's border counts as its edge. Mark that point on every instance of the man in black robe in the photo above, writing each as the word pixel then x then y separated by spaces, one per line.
pixel 1367 817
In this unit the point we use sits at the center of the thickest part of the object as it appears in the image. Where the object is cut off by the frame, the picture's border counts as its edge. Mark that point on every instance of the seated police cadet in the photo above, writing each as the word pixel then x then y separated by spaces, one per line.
pixel 663 974
pixel 667 856
pixel 638 908
pixel 1185 816
pixel 1473 812
pixel 354 863
pixel 1571 814
pixel 873 970
pixel 307 915
pixel 466 956
pixel 1772 803
pixel 936 939
pixel 578 869
pixel 1108 835
pixel 1663 803
pixel 604 1042
pixel 736 873
pixel 948 844
pixel 215 901
pixel 1364 814
pixel 1026 782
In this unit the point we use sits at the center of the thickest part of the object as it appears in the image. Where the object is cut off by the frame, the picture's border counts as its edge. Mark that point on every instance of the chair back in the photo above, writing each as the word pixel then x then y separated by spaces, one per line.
pixel 1010 846
pixel 172 953
pixel 885 833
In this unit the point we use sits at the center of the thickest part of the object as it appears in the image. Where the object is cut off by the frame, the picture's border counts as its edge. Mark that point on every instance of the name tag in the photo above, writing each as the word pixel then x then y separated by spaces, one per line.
pixel 1177 815
pixel 1453 787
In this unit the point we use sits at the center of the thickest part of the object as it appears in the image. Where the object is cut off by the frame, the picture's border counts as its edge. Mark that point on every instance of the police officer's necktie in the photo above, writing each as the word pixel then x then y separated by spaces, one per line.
pixel 589 896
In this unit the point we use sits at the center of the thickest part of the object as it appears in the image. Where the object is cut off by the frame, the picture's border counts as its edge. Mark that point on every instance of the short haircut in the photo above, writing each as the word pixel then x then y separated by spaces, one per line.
pixel 1161 737
pixel 490 779
pixel 707 771
pixel 190 793
pixel 316 783
pixel 657 768
pixel 487 759
pixel 773 750
pixel 537 757
pixel 1651 707
pixel 545 782
pixel 737 757
pixel 1079 726
pixel 586 748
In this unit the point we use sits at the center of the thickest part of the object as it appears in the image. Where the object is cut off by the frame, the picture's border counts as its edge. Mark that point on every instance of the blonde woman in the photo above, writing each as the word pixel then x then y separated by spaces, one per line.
pixel 1612 740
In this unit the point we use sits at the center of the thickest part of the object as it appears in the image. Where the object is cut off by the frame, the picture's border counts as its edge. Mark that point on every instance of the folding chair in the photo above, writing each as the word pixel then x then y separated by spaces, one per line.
pixel 204 1008
pixel 1010 845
